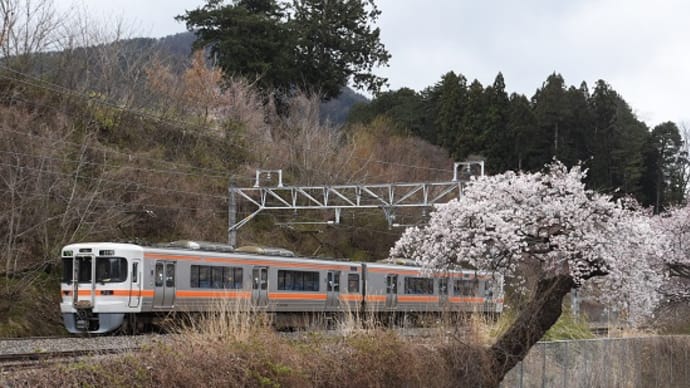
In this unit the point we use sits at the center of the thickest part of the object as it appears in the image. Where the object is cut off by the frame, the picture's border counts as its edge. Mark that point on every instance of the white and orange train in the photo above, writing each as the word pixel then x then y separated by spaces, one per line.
pixel 111 286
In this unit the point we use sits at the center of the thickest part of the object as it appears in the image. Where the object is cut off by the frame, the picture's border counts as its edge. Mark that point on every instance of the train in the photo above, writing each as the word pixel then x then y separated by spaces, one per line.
pixel 108 286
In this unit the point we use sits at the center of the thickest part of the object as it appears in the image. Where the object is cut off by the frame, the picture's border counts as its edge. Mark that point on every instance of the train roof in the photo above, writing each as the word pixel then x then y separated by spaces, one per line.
pixel 185 247
pixel 99 245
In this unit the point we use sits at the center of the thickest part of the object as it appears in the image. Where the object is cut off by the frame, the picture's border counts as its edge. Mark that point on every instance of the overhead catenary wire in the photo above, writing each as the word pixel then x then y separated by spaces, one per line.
pixel 112 203
pixel 119 182
pixel 46 85
pixel 107 165
pixel 175 123
pixel 233 178
pixel 130 157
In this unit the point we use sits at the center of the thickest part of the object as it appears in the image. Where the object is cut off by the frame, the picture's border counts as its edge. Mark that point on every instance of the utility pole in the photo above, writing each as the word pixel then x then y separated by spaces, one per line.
pixel 232 213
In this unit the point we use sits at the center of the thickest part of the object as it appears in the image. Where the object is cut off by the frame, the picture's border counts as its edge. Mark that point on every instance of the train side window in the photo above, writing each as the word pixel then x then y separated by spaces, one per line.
pixel 159 274
pixel 84 269
pixel 67 269
pixel 111 269
pixel 135 272
pixel 298 280
pixel 474 287
pixel 467 288
pixel 333 281
pixel 232 278
pixel 463 287
pixel 204 276
pixel 238 278
pixel 420 286
pixel 216 277
pixel 488 289
pixel 194 276
pixel 392 284
pixel 353 282
pixel 170 275
pixel 443 286
pixel 264 279
pixel 260 278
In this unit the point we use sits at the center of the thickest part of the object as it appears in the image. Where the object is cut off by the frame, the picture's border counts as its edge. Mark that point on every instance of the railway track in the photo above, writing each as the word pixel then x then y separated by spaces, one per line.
pixel 38 338
pixel 30 360
pixel 39 352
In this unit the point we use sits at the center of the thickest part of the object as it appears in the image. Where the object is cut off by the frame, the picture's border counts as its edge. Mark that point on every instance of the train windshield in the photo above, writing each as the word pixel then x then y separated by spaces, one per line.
pixel 84 269
pixel 111 269
pixel 108 269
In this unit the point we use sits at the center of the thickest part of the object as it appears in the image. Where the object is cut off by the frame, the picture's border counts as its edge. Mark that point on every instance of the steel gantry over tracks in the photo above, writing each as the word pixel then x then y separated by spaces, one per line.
pixel 387 197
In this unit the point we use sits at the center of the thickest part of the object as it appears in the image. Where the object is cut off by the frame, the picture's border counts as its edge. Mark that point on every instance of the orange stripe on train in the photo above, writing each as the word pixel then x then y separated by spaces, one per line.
pixel 214 294
pixel 351 297
pixel 291 296
pixel 100 293
pixel 466 299
pixel 417 299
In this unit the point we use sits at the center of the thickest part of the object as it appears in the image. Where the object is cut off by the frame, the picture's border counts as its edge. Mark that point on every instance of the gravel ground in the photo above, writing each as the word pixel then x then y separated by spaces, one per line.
pixel 62 344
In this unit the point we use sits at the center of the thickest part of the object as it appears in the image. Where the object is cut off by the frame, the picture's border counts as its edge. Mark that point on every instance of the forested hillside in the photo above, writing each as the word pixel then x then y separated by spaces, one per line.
pixel 105 137
pixel 119 139
pixel 572 124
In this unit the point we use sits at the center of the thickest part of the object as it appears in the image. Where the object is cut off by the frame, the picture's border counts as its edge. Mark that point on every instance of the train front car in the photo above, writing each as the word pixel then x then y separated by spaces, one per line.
pixel 101 284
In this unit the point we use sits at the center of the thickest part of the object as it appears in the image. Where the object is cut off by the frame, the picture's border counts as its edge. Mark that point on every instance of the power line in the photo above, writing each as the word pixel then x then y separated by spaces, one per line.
pixel 111 203
pixel 92 163
pixel 130 157
pixel 42 84
pixel 125 154
pixel 176 123
pixel 122 182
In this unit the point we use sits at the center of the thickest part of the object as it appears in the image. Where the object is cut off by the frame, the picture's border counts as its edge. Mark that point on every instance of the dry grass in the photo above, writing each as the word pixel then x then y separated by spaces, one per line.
pixel 236 347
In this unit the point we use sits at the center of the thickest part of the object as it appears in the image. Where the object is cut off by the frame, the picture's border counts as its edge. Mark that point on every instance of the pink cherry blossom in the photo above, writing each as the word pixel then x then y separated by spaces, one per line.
pixel 551 223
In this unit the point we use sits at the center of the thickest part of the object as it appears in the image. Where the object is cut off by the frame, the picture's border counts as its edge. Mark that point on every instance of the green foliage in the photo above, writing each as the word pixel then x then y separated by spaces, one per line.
pixel 27 303
pixel 248 37
pixel 565 122
pixel 569 327
pixel 404 107
pixel 313 45
pixel 665 178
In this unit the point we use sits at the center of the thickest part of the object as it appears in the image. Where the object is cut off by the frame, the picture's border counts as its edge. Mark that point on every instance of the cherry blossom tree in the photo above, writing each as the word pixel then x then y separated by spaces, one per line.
pixel 638 275
pixel 546 224
pixel 674 225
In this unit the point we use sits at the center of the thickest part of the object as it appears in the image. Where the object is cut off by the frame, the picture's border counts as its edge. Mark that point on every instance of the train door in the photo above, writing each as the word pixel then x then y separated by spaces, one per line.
pixel 443 291
pixel 135 284
pixel 333 288
pixel 260 286
pixel 164 282
pixel 391 290
pixel 83 273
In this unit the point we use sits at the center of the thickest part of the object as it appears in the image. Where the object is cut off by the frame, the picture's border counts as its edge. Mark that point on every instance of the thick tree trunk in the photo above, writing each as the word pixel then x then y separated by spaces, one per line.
pixel 541 312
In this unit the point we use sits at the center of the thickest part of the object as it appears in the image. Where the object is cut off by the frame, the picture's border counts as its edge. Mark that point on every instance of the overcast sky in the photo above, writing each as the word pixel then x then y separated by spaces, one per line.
pixel 641 48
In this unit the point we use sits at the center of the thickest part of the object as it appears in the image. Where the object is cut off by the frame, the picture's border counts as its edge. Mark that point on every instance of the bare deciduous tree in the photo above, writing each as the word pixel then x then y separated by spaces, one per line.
pixel 29 27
